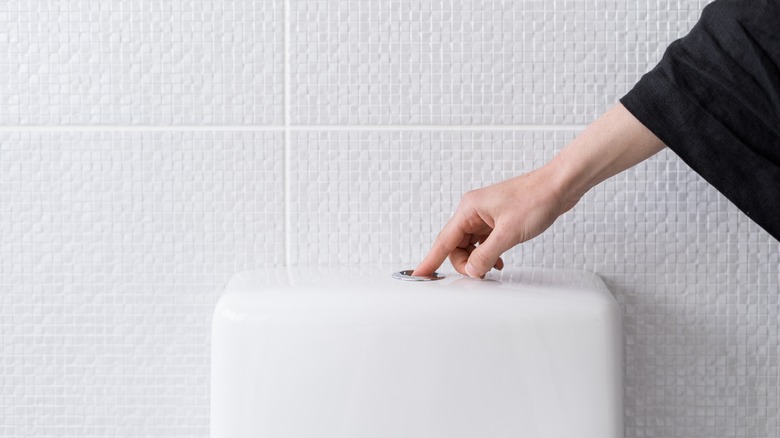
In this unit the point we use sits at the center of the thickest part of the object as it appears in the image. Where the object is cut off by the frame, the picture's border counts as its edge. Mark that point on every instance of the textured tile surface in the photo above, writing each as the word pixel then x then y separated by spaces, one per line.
pixel 376 197
pixel 141 62
pixel 474 61
pixel 113 250
pixel 698 283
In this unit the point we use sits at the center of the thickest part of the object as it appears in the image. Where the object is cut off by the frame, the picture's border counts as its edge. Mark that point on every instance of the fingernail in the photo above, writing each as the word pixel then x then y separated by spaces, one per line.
pixel 471 271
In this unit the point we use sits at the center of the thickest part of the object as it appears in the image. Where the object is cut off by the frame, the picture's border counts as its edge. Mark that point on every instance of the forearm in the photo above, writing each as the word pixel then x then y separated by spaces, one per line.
pixel 611 144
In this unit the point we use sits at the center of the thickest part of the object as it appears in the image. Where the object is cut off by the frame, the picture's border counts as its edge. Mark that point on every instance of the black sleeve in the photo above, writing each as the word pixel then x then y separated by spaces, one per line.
pixel 714 99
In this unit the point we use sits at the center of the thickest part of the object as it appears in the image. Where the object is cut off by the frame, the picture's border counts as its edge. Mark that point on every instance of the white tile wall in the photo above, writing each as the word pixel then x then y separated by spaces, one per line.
pixel 116 237
pixel 114 247
pixel 381 197
pixel 141 62
pixel 473 61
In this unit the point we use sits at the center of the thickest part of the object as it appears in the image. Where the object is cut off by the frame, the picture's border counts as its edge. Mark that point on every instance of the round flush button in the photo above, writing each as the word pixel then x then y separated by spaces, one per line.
pixel 407 276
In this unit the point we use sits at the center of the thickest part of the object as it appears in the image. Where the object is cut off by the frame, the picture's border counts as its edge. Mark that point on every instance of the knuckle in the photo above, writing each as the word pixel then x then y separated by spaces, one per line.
pixel 508 236
pixel 469 197
pixel 480 258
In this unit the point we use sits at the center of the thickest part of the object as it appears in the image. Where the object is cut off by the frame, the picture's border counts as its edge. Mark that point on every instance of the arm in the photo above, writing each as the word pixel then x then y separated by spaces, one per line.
pixel 493 219
pixel 714 100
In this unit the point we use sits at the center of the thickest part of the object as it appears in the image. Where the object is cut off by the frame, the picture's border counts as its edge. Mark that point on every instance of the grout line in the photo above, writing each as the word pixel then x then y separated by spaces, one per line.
pixel 288 127
pixel 438 127
pixel 133 128
pixel 287 149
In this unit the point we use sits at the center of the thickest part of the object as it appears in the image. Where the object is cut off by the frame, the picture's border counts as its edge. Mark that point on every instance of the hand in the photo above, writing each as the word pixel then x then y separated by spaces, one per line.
pixel 493 219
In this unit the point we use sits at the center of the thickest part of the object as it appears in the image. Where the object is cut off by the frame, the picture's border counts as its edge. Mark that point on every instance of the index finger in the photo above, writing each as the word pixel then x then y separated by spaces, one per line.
pixel 446 242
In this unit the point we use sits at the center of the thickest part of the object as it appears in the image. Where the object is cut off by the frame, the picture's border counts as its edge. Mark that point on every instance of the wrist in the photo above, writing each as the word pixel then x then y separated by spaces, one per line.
pixel 567 180
pixel 613 143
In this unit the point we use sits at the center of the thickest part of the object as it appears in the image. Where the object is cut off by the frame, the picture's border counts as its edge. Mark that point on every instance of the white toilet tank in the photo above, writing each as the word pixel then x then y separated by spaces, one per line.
pixel 355 353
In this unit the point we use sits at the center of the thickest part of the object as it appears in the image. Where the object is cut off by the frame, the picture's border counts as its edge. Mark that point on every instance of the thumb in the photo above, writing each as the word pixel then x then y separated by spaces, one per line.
pixel 485 256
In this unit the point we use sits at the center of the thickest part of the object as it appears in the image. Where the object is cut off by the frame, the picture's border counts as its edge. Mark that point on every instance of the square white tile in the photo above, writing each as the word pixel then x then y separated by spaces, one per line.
pixel 141 62
pixel 114 247
pixel 473 62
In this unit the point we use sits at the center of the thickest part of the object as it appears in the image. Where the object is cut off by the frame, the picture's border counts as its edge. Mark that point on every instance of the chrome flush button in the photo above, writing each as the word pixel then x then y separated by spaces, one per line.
pixel 407 276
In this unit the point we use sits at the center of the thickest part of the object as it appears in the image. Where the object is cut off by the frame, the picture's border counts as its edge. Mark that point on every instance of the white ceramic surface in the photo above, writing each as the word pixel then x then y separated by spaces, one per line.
pixel 352 352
